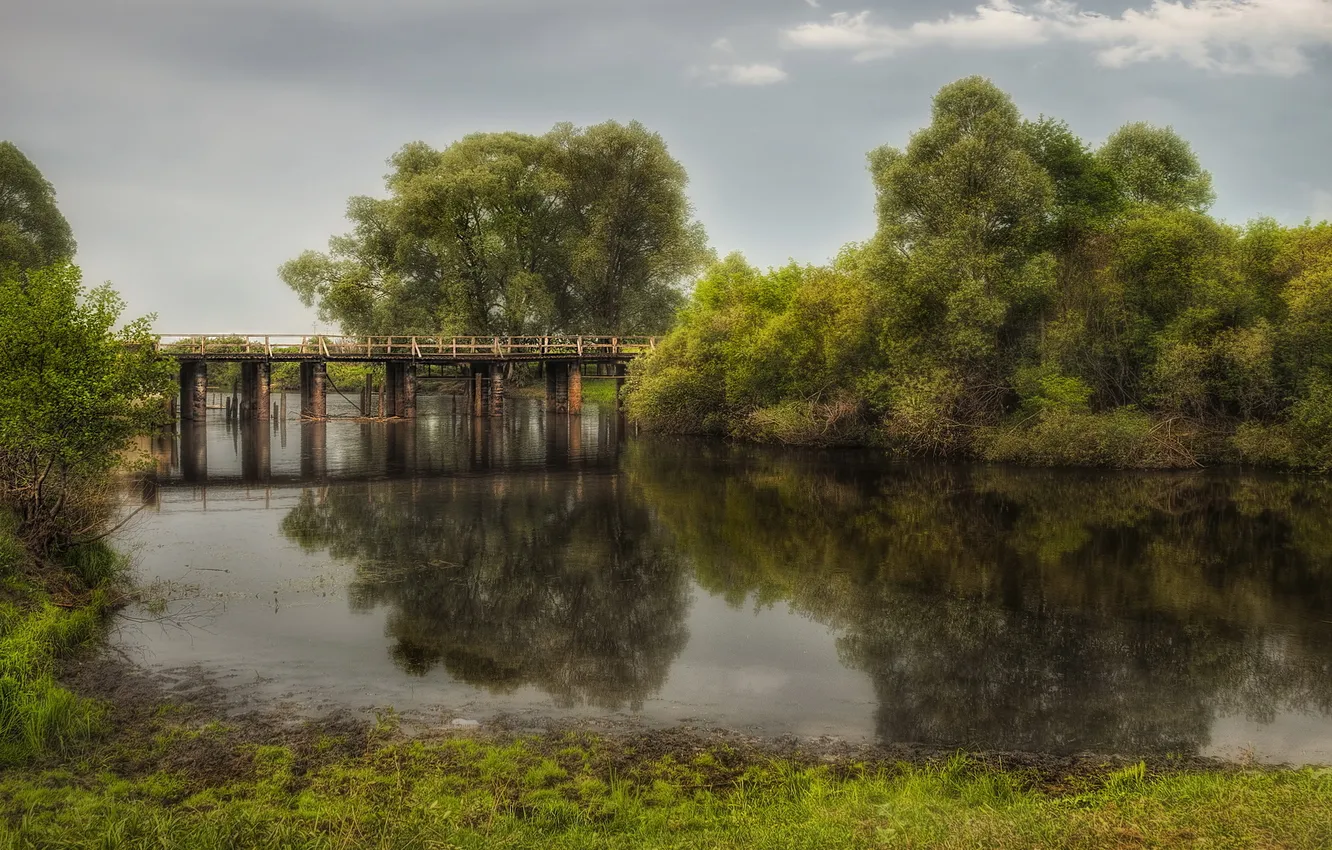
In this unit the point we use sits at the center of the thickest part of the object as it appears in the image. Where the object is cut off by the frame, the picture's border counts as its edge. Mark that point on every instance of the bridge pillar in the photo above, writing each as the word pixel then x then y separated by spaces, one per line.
pixel 400 389
pixel 193 390
pixel 576 388
pixel 255 391
pixel 621 369
pixel 314 390
pixel 496 389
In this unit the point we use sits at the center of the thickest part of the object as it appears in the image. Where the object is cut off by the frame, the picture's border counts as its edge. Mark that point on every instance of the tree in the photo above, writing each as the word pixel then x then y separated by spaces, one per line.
pixel 633 237
pixel 965 206
pixel 73 391
pixel 1153 165
pixel 507 233
pixel 33 233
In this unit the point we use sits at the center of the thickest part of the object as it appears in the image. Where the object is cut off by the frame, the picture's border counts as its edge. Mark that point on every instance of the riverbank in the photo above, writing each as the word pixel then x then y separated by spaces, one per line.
pixel 175 774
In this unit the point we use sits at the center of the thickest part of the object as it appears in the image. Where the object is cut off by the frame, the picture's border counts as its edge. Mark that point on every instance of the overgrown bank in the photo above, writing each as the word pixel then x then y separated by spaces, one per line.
pixel 1025 299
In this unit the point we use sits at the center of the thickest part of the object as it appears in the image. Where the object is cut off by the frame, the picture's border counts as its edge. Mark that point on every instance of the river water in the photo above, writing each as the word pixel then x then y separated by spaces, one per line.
pixel 530 568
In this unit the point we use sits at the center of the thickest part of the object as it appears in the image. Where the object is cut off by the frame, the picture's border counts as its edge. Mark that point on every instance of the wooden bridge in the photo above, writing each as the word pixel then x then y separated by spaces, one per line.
pixel 486 359
pixel 288 348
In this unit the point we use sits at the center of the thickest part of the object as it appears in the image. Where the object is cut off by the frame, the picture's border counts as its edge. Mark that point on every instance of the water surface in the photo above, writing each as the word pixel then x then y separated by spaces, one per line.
pixel 560 567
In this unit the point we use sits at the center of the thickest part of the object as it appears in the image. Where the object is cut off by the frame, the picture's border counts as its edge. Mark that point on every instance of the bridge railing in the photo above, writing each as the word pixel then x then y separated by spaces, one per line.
pixel 220 346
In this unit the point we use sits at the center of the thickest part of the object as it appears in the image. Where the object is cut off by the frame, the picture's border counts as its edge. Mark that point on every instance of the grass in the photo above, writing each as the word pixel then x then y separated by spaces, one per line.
pixel 465 793
pixel 38 717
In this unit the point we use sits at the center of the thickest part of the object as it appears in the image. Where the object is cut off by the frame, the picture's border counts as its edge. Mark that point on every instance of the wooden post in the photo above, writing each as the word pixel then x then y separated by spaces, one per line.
pixel 620 370
pixel 477 399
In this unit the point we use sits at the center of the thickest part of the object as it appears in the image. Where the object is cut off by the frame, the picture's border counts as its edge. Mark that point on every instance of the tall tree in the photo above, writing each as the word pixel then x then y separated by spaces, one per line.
pixel 33 233
pixel 1153 165
pixel 506 233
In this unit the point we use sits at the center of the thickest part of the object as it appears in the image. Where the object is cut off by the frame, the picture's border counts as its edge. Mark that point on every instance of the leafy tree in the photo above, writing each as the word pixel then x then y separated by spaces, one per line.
pixel 33 233
pixel 506 233
pixel 73 390
pixel 1153 165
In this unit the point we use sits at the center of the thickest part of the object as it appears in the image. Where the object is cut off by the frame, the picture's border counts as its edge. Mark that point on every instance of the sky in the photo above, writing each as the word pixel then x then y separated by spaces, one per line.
pixel 197 144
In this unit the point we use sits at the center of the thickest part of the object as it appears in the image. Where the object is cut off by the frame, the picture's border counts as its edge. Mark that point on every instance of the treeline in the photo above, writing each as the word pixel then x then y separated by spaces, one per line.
pixel 1025 298
pixel 578 230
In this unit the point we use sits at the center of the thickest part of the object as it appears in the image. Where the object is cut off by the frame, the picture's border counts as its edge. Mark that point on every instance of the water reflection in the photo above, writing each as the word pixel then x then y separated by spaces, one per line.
pixel 987 607
pixel 1028 609
pixel 559 580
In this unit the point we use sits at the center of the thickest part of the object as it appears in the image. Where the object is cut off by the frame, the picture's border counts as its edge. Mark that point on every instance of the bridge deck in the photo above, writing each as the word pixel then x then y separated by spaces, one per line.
pixel 421 349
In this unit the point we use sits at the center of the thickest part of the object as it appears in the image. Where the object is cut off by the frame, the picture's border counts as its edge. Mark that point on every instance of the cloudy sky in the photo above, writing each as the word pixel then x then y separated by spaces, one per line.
pixel 196 144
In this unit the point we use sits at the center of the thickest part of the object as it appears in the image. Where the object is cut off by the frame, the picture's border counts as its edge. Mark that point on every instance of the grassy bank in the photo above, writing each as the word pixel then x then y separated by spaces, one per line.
pixel 41 623
pixel 196 789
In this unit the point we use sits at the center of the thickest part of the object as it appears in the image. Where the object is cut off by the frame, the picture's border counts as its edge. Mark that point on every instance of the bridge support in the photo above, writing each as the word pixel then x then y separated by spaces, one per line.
pixel 255 391
pixel 496 389
pixel 314 390
pixel 193 390
pixel 400 389
pixel 564 388
pixel 621 370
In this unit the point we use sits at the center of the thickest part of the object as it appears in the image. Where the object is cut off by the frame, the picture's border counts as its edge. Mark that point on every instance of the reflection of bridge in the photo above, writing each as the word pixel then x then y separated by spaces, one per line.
pixel 484 360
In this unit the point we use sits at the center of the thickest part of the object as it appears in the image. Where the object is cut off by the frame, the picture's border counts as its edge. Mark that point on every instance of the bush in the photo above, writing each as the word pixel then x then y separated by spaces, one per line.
pixel 806 423
pixel 1125 437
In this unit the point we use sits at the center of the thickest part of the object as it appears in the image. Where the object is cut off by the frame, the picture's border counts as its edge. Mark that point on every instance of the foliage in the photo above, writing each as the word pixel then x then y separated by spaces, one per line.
pixel 1024 297
pixel 579 230
pixel 73 390
pixel 33 233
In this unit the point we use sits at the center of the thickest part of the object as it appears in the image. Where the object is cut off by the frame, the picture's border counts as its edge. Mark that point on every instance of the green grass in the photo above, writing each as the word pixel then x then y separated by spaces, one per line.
pixel 38 717
pixel 467 793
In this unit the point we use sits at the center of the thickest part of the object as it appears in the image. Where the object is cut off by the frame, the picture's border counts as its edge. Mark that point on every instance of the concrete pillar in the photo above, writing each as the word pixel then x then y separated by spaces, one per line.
pixel 314 390
pixel 496 389
pixel 575 389
pixel 193 390
pixel 255 402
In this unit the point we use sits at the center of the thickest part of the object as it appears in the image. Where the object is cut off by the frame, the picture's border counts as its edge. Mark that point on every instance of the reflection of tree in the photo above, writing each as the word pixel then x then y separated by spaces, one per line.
pixel 1025 608
pixel 558 580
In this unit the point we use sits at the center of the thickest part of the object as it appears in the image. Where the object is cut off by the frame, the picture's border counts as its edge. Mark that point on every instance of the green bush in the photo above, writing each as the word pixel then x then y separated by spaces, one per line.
pixel 1124 437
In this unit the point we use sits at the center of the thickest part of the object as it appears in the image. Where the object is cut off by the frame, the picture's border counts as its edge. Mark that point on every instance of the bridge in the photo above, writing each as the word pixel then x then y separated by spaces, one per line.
pixel 486 359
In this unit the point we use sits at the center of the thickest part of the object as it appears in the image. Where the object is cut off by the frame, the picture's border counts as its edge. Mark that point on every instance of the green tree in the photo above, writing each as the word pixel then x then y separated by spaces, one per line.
pixel 1153 165
pixel 506 233
pixel 73 390
pixel 33 233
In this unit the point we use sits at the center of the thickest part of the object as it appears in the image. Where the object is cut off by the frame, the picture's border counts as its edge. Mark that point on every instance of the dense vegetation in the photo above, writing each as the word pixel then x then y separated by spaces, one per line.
pixel 579 230
pixel 74 389
pixel 1025 298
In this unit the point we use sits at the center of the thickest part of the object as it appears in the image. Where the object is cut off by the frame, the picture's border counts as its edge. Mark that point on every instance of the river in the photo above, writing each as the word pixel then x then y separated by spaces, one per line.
pixel 524 569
